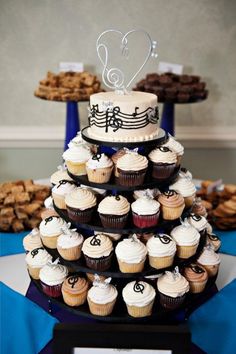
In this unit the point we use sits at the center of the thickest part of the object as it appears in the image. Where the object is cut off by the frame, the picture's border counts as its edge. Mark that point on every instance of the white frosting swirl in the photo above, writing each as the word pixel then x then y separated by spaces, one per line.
pixel 209 228
pixel 70 239
pixel 145 206
pixel 32 240
pixel 152 193
pixel 198 221
pixel 184 186
pixel 80 198
pixel 185 173
pixel 102 161
pixel 37 258
pixel 48 203
pixel 172 284
pixel 133 297
pixel 53 274
pixel 209 257
pixel 97 246
pixel 132 161
pixel 163 155
pixel 63 187
pixel 102 295
pixel 76 153
pixel 185 235
pixel 51 226
pixel 94 190
pixel 114 205
pixel 161 245
pixel 174 145
pixel 59 175
pixel 131 250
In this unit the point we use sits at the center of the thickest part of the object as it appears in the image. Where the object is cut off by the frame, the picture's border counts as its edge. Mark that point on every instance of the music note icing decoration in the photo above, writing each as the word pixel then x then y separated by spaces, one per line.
pixel 138 287
pixel 36 251
pixel 73 280
pixel 95 241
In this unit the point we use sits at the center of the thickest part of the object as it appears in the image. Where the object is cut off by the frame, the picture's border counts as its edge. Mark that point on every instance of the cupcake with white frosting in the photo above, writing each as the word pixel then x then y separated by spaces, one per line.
pixel 173 288
pixel 35 260
pixel 49 209
pixel 131 254
pixel 115 157
pixel 209 260
pixel 199 222
pixel 59 175
pixel 50 229
pixel 98 192
pixel 139 298
pixel 184 172
pixel 187 239
pixel 175 146
pixel 80 204
pixel 114 211
pixel 151 193
pixel 32 240
pixel 99 168
pixel 60 190
pixel 102 297
pixel 98 252
pixel 76 157
pixel 198 208
pixel 186 188
pixel 132 168
pixel 69 244
pixel 161 251
pixel 145 212
pixel 163 162
pixel 51 276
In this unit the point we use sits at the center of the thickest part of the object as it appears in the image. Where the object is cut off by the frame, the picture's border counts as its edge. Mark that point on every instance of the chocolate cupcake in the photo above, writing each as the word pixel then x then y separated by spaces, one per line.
pixel 80 205
pixel 131 169
pixel 98 252
pixel 163 162
pixel 114 211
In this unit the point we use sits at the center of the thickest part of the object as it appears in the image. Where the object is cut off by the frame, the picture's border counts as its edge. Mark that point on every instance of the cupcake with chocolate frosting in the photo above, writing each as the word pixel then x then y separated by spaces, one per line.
pixel 114 211
pixel 161 251
pixel 80 204
pixel 99 168
pixel 74 290
pixel 196 276
pixel 145 212
pixel 98 252
pixel 172 205
pixel 132 168
pixel 163 162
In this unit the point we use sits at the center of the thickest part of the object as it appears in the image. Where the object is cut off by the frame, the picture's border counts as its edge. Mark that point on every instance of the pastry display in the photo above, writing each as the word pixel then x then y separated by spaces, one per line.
pixel 68 86
pixel 170 87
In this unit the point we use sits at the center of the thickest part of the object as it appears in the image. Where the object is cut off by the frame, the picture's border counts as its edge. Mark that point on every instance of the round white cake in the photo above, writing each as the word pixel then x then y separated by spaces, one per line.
pixel 123 117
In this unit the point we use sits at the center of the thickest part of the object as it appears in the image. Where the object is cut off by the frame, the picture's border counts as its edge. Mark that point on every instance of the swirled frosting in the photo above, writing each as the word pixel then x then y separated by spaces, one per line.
pixel 184 186
pixel 185 235
pixel 99 161
pixel 53 274
pixel 132 161
pixel 38 257
pixel 80 153
pixel 209 257
pixel 114 205
pixel 138 293
pixel 32 240
pixel 102 294
pixel 51 226
pixel 71 239
pixel 185 173
pixel 97 246
pixel 152 193
pixel 174 145
pixel 171 199
pixel 63 187
pixel 75 285
pixel 60 175
pixel 80 198
pixel 94 190
pixel 197 221
pixel 172 284
pixel 131 250
pixel 145 206
pixel 163 154
pixel 194 272
pixel 111 235
pixel 161 245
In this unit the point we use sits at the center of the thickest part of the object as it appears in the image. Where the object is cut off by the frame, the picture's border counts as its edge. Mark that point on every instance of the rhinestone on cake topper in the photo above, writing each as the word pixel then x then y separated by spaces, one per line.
pixel 114 77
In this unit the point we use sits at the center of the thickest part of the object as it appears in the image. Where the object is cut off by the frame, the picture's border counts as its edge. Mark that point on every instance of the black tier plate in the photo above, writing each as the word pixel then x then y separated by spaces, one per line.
pixel 160 139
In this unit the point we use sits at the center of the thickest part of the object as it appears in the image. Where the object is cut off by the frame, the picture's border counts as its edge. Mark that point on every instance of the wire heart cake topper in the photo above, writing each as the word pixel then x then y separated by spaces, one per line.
pixel 114 77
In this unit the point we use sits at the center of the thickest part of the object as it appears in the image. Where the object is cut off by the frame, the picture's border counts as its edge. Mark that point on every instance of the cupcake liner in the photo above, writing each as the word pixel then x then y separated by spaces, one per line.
pixel 212 270
pixel 70 254
pixel 143 221
pixel 197 286
pixel 50 241
pixel 82 216
pixel 186 251
pixel 76 168
pixel 99 175
pixel 131 267
pixel 162 171
pixel 34 272
pixel 161 262
pixel 113 221
pixel 99 264
pixel 74 299
pixel 59 200
pixel 171 303
pixel 51 290
pixel 170 213
pixel 131 178
pixel 143 311
pixel 101 309
pixel 189 200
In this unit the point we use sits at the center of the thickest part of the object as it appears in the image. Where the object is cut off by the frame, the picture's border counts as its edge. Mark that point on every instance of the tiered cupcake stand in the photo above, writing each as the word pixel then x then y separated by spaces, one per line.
pixel 149 274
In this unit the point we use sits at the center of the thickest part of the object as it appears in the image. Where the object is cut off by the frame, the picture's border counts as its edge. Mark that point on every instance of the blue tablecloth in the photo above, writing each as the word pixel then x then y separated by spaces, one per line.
pixel 25 327
pixel 11 243
pixel 228 241
pixel 213 325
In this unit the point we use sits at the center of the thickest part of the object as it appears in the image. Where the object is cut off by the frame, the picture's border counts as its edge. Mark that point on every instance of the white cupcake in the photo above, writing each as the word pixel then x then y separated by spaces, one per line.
pixel 186 188
pixel 99 168
pixel 69 244
pixel 76 157
pixel 210 260
pixel 50 229
pixel 52 276
pixel 198 221
pixel 161 251
pixel 175 146
pixel 60 190
pixel 32 240
pixel 36 259
pixel 145 212
pixel 59 175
